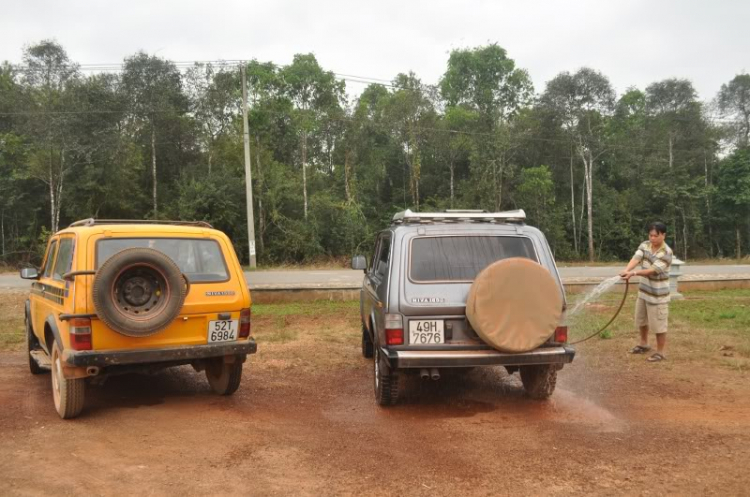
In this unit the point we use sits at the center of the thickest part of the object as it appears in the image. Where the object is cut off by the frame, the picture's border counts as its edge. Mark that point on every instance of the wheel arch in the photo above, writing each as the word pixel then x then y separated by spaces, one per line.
pixel 51 334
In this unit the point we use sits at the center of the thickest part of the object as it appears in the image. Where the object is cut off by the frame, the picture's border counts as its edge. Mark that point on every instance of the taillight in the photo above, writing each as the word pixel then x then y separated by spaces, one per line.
pixel 394 329
pixel 561 334
pixel 245 323
pixel 80 334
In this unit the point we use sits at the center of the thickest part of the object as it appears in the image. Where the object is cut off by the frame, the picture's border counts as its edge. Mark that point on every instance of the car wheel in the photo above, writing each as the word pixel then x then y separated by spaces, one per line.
pixel 31 345
pixel 224 378
pixel 539 381
pixel 386 381
pixel 366 343
pixel 67 394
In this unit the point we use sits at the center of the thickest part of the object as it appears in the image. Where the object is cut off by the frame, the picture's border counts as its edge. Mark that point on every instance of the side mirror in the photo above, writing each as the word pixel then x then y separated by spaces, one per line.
pixel 359 262
pixel 30 273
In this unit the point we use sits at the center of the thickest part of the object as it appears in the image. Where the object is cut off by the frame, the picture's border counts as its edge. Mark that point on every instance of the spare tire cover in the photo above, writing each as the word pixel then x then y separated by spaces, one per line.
pixel 514 305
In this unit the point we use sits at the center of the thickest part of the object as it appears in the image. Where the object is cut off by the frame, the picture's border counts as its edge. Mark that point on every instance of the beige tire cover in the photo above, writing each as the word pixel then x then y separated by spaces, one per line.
pixel 514 305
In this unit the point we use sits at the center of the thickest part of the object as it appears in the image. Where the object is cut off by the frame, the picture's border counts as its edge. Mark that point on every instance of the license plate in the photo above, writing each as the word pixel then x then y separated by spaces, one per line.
pixel 426 332
pixel 222 331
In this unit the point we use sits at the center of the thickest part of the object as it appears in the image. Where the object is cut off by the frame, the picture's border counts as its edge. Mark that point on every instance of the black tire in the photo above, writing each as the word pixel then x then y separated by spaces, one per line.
pixel 32 344
pixel 539 381
pixel 386 381
pixel 224 378
pixel 139 292
pixel 367 348
pixel 68 395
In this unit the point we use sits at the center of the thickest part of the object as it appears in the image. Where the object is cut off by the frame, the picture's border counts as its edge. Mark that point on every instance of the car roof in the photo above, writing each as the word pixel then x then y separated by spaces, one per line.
pixel 136 228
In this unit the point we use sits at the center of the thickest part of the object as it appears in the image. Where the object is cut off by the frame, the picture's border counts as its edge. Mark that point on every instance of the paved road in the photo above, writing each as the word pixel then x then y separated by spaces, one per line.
pixel 345 278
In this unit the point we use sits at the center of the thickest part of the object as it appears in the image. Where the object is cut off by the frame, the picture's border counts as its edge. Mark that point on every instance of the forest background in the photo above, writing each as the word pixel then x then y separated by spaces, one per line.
pixel 150 138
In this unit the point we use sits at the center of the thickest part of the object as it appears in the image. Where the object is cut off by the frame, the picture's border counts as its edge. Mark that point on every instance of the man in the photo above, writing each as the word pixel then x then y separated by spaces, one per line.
pixel 652 305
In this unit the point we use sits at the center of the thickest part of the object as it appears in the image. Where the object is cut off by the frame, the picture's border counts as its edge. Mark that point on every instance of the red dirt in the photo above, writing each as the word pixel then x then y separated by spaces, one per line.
pixel 626 427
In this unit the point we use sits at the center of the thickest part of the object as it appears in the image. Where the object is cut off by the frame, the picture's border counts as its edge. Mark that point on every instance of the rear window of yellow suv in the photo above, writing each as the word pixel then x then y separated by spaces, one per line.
pixel 202 261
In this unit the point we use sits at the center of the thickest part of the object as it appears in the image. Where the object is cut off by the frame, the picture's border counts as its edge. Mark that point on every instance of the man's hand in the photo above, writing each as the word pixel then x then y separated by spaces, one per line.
pixel 626 275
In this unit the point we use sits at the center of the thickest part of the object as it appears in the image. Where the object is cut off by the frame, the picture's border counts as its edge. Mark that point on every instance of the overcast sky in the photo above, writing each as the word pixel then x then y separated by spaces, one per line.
pixel 634 43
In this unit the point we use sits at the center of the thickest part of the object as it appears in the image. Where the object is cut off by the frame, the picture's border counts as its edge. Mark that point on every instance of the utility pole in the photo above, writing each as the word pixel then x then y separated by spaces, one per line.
pixel 248 171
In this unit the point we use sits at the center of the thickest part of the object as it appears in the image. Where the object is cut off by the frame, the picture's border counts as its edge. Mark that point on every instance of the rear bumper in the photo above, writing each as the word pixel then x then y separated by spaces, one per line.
pixel 104 358
pixel 471 358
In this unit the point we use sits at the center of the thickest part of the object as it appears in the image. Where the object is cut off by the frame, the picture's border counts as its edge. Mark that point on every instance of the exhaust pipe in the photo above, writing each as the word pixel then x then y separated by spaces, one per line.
pixel 424 374
pixel 434 374
pixel 92 370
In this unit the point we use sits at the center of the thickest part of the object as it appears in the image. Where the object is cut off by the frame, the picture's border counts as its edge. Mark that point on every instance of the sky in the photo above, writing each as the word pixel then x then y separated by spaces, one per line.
pixel 633 43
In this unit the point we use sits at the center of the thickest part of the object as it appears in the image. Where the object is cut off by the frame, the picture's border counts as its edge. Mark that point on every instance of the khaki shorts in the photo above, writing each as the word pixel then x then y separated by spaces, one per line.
pixel 654 316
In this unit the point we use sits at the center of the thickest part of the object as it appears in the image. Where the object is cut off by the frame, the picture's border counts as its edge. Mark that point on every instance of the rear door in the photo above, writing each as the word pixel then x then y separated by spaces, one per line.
pixel 440 269
pixel 217 290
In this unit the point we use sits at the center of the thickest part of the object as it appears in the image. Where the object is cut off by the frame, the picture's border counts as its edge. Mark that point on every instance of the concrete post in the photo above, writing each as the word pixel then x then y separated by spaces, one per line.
pixel 675 271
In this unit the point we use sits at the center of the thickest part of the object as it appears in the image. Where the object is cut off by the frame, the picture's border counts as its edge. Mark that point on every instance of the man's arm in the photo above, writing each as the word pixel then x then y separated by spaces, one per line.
pixel 628 272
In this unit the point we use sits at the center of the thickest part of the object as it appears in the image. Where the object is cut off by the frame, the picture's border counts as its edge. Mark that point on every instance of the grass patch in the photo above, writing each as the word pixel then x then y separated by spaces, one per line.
pixel 307 336
pixel 318 307
pixel 711 327
pixel 11 320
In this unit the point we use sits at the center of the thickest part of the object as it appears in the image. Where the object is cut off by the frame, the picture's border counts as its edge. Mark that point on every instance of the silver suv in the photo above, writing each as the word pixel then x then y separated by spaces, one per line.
pixel 414 297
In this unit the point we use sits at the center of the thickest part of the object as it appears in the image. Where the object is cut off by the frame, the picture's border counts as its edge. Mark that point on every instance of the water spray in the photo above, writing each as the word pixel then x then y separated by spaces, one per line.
pixel 617 313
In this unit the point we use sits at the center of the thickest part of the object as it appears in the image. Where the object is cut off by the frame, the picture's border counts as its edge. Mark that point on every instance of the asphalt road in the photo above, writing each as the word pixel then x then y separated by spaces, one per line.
pixel 346 278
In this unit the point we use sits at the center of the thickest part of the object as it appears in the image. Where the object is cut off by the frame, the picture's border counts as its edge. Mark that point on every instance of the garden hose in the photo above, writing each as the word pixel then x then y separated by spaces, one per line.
pixel 622 303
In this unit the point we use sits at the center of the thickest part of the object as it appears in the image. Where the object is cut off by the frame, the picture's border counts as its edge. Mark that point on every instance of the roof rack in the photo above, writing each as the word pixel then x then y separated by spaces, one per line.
pixel 97 222
pixel 454 216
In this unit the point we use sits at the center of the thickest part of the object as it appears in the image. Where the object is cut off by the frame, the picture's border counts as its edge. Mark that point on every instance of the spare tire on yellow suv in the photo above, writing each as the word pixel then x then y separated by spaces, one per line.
pixel 514 305
pixel 139 291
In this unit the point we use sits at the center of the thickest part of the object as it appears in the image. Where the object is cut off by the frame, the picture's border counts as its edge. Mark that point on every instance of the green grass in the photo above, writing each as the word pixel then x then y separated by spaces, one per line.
pixel 11 339
pixel 318 307
pixel 11 320
pixel 711 327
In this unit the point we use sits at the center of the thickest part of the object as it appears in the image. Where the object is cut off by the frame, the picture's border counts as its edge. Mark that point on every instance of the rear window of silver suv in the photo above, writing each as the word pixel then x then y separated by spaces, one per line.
pixel 461 258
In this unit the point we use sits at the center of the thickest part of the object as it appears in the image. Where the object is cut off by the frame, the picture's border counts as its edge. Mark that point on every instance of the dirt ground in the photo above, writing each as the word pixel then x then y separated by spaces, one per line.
pixel 304 422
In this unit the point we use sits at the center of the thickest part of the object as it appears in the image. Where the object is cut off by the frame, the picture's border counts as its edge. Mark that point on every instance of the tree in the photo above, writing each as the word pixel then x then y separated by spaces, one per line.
pixel 676 128
pixel 537 192
pixel 485 81
pixel 734 103
pixel 214 103
pixel 582 102
pixel 48 74
pixel 314 92
pixel 410 114
pixel 153 87
pixel 734 192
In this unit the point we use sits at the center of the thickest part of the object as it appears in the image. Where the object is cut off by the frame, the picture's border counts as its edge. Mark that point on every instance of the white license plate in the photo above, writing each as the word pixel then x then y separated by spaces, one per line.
pixel 222 331
pixel 426 332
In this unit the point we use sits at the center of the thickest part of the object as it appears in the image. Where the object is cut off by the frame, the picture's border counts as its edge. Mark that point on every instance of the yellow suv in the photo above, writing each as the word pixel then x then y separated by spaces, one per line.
pixel 122 296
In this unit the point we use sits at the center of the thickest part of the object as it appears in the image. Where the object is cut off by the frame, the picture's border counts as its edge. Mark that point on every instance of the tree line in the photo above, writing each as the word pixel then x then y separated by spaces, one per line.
pixel 155 139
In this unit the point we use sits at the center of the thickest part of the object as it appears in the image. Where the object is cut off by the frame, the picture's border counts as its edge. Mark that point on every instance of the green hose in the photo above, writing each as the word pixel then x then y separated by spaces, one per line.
pixel 622 303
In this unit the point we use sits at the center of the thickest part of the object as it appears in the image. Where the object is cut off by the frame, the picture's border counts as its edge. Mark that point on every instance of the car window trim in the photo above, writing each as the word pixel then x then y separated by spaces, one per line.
pixel 384 237
pixel 49 264
pixel 72 257
pixel 443 282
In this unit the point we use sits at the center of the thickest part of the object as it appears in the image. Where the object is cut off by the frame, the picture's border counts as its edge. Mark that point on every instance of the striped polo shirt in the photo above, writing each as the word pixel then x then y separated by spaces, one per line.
pixel 654 289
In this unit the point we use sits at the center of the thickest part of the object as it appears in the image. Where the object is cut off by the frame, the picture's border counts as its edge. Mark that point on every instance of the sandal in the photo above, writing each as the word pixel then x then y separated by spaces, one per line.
pixel 656 358
pixel 640 349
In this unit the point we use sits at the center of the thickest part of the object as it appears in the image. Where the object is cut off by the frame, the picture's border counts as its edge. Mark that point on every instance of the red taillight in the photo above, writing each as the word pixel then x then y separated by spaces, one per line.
pixel 394 336
pixel 561 334
pixel 80 334
pixel 394 329
pixel 245 323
